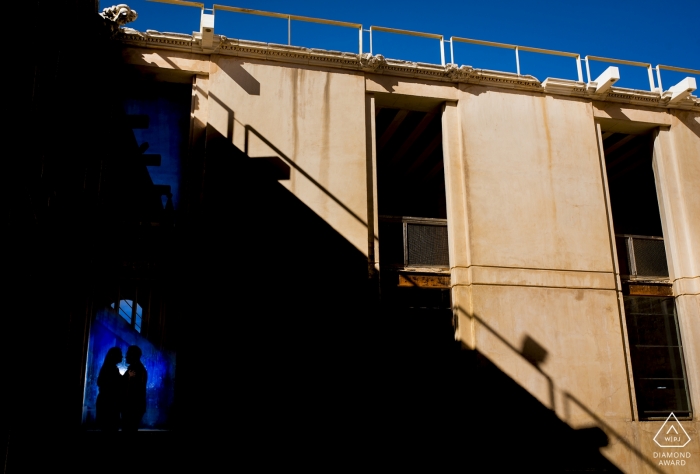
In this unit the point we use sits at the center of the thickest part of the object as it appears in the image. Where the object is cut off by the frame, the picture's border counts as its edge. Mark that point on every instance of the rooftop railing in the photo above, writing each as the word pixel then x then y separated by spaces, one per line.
pixel 678 92
pixel 289 19
pixel 517 49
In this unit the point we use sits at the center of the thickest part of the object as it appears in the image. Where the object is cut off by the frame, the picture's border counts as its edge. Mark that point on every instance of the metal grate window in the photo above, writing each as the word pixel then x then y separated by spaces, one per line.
pixel 642 256
pixel 414 242
pixel 650 257
pixel 426 245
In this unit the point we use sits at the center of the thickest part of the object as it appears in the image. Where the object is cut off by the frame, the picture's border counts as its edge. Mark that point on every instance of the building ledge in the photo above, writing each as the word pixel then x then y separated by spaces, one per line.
pixel 450 73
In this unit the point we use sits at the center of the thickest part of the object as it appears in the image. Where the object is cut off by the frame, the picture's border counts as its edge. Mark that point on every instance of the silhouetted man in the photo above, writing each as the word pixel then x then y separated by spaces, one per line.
pixel 134 401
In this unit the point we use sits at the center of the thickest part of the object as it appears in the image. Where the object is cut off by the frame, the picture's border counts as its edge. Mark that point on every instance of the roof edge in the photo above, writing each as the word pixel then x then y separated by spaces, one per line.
pixel 377 64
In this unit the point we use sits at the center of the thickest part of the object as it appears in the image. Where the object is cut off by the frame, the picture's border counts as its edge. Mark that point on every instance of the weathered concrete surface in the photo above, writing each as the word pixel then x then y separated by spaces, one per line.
pixel 312 119
pixel 534 182
pixel 164 59
pixel 534 276
pixel 677 170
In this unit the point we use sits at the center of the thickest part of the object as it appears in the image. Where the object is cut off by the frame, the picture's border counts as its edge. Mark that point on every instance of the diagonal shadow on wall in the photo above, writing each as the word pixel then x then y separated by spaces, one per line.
pixel 285 321
pixel 284 358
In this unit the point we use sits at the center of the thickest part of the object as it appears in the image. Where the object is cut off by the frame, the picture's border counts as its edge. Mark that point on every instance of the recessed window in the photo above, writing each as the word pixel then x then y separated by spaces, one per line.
pixel 660 381
pixel 659 375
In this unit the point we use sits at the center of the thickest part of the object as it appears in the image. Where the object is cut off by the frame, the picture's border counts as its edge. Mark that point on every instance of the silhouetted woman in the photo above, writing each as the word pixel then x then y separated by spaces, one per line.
pixel 109 381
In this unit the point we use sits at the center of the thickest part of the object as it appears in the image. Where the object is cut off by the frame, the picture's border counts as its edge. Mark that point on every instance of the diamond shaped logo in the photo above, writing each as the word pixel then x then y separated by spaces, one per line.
pixel 671 434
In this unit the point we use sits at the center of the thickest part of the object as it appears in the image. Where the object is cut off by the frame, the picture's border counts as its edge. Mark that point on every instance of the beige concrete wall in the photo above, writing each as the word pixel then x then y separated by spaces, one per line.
pixel 677 173
pixel 532 262
pixel 534 182
pixel 536 270
pixel 313 119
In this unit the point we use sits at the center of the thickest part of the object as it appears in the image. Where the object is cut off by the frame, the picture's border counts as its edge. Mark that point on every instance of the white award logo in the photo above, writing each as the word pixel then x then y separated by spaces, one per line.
pixel 671 434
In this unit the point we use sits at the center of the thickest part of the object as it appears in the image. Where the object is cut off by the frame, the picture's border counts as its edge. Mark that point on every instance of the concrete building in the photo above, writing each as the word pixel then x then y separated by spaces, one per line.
pixel 353 243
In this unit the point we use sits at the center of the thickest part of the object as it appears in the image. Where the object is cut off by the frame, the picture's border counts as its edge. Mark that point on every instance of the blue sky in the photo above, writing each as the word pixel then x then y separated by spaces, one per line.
pixel 640 30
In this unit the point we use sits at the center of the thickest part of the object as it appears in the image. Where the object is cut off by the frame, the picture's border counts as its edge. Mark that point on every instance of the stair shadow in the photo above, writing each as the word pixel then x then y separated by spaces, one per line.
pixel 283 355
pixel 284 348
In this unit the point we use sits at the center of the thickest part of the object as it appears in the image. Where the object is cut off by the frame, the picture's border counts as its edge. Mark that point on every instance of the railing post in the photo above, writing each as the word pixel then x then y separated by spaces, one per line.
pixel 651 77
pixel 578 68
pixel 442 51
pixel 289 30
pixel 588 70
pixel 370 41
pixel 452 51
pixel 517 60
pixel 658 77
pixel 360 40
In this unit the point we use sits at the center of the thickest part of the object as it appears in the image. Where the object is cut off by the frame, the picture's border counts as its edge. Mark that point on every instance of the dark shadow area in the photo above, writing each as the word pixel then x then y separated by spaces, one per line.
pixel 420 320
pixel 507 430
pixel 284 354
pixel 281 304
pixel 83 217
pixel 241 77
pixel 535 354
pixel 286 161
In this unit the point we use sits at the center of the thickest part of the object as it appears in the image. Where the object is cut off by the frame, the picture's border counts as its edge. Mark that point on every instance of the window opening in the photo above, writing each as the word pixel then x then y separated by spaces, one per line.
pixel 131 312
pixel 634 205
pixel 657 357
pixel 656 352
pixel 411 189
pixel 413 239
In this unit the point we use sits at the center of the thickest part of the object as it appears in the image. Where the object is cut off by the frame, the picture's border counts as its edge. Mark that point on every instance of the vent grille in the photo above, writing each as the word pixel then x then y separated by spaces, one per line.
pixel 413 242
pixel 642 256
pixel 427 245
pixel 650 257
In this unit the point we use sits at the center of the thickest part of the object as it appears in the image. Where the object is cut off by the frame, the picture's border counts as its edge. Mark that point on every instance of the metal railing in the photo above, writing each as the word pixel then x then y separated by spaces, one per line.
pixel 184 3
pixel 517 50
pixel 641 256
pixel 673 68
pixel 409 33
pixel 625 62
pixel 413 242
pixel 289 17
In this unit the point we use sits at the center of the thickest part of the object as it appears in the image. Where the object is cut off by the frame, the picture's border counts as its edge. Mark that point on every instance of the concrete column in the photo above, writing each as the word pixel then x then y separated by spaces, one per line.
pixel 372 209
pixel 457 221
pixel 676 152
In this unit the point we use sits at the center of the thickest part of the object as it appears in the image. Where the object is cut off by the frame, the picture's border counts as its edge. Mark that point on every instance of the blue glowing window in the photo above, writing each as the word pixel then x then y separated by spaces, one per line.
pixel 131 312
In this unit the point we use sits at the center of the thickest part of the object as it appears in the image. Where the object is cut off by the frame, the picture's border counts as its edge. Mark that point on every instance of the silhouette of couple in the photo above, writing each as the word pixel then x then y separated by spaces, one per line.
pixel 122 398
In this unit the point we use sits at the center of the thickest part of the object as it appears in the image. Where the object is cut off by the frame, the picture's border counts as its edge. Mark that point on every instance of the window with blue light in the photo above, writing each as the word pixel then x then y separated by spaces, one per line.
pixel 130 311
pixel 138 318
